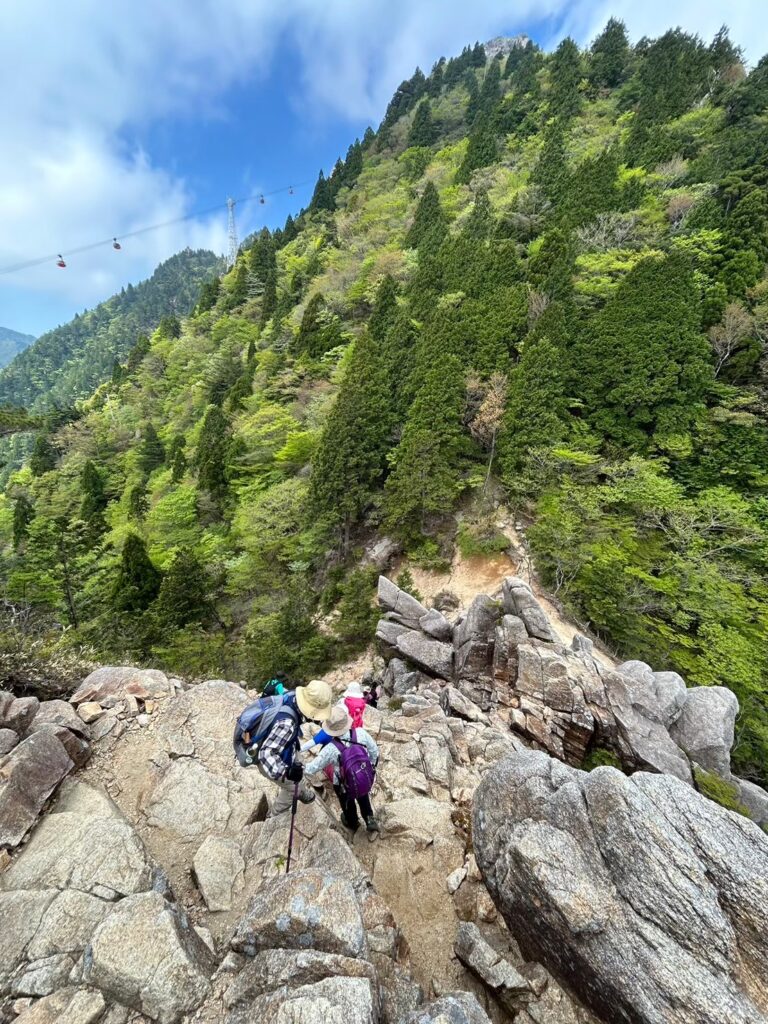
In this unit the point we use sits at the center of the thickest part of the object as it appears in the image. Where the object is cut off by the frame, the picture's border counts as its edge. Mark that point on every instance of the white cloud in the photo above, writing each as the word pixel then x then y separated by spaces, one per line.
pixel 78 78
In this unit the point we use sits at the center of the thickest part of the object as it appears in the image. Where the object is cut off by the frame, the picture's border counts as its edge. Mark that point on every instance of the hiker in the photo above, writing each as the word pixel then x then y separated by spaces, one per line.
pixel 354 701
pixel 353 755
pixel 267 735
pixel 371 696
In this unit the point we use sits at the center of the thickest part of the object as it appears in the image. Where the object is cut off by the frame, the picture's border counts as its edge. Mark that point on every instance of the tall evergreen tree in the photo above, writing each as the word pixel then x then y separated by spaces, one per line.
pixel 94 499
pixel 565 76
pixel 137 502
pixel 151 452
pixel 427 462
pixel 138 580
pixel 423 131
pixel 551 170
pixel 551 267
pixel 350 459
pixel 482 149
pixel 435 80
pixel 183 597
pixel 536 412
pixel 491 88
pixel 384 309
pixel 609 56
pixel 429 224
pixel 43 457
pixel 23 514
pixel 642 365
pixel 212 456
pixel 322 197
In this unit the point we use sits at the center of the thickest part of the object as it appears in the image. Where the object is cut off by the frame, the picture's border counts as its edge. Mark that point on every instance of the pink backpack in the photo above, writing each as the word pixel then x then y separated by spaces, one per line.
pixel 356 708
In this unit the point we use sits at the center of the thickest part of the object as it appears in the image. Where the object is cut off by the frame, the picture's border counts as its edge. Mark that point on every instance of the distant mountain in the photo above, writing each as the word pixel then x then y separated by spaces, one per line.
pixel 11 343
pixel 70 361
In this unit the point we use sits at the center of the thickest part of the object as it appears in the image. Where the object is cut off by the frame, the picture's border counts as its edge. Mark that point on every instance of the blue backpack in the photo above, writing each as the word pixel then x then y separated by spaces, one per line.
pixel 255 723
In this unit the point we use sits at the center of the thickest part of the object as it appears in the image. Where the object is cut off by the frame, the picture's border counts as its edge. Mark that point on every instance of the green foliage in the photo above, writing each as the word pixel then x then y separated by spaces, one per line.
pixel 44 456
pixel 349 462
pixel 429 224
pixel 482 148
pixel 721 791
pixel 565 77
pixel 406 582
pixel 184 594
pixel 138 582
pixel 609 56
pixel 423 131
pixel 355 624
pixel 94 499
pixel 151 452
pixel 600 757
pixel 23 513
pixel 211 458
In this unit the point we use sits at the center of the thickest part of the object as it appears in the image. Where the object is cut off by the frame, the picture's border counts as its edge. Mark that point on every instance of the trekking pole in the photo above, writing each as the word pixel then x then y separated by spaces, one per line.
pixel 294 805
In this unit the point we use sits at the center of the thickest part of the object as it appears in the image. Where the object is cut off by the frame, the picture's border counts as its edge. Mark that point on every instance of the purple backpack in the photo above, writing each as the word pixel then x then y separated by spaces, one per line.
pixel 355 767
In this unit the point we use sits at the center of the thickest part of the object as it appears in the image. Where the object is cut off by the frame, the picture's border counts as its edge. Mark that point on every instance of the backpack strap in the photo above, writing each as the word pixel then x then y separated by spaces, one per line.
pixel 353 735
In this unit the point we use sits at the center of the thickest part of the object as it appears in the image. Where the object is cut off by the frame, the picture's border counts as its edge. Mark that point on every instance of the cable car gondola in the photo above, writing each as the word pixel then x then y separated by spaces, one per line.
pixel 60 261
pixel 116 244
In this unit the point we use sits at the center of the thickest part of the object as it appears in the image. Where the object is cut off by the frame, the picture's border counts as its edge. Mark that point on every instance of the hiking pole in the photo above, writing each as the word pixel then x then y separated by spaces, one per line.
pixel 294 805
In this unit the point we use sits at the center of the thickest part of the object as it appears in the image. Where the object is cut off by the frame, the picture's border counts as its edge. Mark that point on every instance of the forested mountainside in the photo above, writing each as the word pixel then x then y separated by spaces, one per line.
pixel 11 343
pixel 543 277
pixel 70 361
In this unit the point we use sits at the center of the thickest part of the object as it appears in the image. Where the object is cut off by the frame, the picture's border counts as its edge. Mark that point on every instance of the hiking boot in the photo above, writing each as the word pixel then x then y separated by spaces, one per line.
pixel 352 826
pixel 371 824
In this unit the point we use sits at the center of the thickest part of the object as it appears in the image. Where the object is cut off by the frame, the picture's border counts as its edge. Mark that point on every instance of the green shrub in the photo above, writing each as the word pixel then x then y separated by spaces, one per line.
pixel 600 757
pixel 473 541
pixel 714 788
pixel 395 703
pixel 407 583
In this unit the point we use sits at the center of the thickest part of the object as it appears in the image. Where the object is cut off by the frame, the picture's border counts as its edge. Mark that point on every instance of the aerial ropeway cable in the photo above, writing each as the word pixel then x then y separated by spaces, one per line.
pixel 60 261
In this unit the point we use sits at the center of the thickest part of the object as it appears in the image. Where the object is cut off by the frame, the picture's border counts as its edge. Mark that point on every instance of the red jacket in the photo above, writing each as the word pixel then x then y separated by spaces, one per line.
pixel 356 707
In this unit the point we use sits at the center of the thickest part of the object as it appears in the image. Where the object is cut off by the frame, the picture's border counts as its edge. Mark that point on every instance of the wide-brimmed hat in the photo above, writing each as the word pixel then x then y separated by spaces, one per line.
pixel 338 722
pixel 353 690
pixel 314 699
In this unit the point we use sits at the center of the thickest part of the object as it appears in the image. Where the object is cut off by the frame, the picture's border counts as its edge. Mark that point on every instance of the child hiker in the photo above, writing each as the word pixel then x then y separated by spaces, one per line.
pixel 353 755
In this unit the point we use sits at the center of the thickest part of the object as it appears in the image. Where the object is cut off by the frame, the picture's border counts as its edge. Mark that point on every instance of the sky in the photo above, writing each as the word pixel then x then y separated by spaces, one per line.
pixel 122 114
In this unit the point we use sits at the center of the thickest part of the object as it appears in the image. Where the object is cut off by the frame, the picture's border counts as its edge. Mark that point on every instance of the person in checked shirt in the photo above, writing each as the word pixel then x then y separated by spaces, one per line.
pixel 276 757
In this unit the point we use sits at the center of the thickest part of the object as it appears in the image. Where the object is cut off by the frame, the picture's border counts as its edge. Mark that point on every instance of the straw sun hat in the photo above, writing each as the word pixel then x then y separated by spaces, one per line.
pixel 314 699
pixel 338 722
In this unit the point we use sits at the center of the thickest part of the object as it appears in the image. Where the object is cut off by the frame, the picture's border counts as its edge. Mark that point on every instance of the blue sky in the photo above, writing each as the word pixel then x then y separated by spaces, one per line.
pixel 122 114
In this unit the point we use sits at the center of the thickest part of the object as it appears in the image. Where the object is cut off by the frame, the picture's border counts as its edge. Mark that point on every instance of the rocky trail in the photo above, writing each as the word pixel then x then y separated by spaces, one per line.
pixel 141 878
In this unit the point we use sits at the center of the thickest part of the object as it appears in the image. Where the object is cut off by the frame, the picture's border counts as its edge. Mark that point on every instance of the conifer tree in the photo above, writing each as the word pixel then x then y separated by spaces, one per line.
pixel 290 230
pixel 369 137
pixel 138 581
pixel 478 56
pixel 479 224
pixel 473 101
pixel 353 164
pixel 151 452
pixel 176 458
pixel 94 499
pixel 565 76
pixel 117 373
pixel 212 454
pixel 642 364
pixel 268 298
pixel 490 91
pixel 209 293
pixel 384 309
pixel 43 457
pixel 523 74
pixel 429 224
pixel 435 80
pixel 239 291
pixel 350 459
pixel 137 502
pixel 609 56
pixel 319 332
pixel 170 326
pixel 552 266
pixel 536 411
pixel 262 259
pixel 422 131
pixel 322 198
pixel 136 355
pixel 23 514
pixel 398 357
pixel 482 149
pixel 551 170
pixel 426 463
pixel 183 597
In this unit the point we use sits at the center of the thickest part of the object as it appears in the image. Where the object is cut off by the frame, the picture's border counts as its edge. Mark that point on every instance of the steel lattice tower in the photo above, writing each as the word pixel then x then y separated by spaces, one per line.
pixel 232 233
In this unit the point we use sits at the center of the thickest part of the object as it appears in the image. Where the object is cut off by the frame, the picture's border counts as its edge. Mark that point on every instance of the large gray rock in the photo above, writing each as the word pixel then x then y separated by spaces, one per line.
pixel 190 802
pixel 704 728
pixel 17 712
pixel 454 1008
pixel 755 799
pixel 8 740
pixel 650 901
pixel 274 968
pixel 432 656
pixel 333 1000
pixel 518 600
pixel 120 682
pixel 435 624
pixel 506 983
pixel 84 844
pixel 480 621
pixel 147 956
pixel 29 774
pixel 407 609
pixel 303 910
pixel 218 868
pixel 659 696
pixel 67 1005
pixel 646 742
pixel 59 713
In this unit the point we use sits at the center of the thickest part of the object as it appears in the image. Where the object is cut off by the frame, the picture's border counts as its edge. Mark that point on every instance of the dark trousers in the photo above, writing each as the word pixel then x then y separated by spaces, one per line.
pixel 349 806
